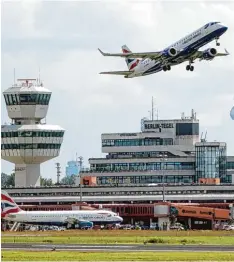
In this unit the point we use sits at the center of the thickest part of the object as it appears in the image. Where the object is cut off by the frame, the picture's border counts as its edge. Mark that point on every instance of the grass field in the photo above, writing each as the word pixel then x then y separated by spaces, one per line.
pixel 121 237
pixel 123 256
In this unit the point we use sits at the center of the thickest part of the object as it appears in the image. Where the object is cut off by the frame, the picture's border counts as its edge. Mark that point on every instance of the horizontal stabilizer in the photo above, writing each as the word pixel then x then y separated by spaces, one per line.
pixel 124 73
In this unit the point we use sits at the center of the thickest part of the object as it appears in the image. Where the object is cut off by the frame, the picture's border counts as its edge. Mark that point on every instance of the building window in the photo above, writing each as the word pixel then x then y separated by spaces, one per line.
pixel 27 99
pixel 29 133
pixel 137 142
pixel 30 146
pixel 211 162
pixel 187 129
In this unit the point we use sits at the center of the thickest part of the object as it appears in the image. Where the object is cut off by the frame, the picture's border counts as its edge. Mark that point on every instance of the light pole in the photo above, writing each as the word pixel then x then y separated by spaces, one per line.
pixel 80 173
pixel 163 173
pixel 80 187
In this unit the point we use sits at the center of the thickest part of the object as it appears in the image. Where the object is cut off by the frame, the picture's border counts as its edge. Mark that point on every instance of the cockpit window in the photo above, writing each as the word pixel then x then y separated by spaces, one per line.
pixel 209 24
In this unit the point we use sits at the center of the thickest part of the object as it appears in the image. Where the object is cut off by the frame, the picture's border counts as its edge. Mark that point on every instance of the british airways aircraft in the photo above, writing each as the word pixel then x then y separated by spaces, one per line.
pixel 186 49
pixel 12 212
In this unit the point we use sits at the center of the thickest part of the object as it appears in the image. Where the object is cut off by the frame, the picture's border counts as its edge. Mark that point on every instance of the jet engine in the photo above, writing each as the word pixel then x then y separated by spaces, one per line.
pixel 209 54
pixel 85 224
pixel 170 52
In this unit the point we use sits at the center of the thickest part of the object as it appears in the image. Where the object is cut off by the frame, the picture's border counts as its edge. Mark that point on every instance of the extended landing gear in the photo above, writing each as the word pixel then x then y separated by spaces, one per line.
pixel 166 67
pixel 217 43
pixel 189 67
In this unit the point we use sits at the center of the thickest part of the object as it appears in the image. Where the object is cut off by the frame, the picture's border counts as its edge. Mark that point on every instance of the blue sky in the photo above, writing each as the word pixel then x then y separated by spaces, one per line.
pixel 62 39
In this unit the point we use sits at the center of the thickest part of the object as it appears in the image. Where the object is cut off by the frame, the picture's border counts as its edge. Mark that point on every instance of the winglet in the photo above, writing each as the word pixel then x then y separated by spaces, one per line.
pixel 227 51
pixel 101 51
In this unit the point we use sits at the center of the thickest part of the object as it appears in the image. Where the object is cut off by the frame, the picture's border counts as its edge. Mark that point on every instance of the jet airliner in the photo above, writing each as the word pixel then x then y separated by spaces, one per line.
pixel 186 49
pixel 12 212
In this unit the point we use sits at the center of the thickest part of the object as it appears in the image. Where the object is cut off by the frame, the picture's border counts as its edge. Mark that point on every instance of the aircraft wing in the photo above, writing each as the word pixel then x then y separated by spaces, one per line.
pixel 199 55
pixel 151 55
pixel 124 73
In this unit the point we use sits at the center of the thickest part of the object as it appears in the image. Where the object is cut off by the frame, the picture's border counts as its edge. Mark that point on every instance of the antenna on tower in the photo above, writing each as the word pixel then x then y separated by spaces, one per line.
pixel 39 75
pixel 205 136
pixel 14 76
pixel 152 109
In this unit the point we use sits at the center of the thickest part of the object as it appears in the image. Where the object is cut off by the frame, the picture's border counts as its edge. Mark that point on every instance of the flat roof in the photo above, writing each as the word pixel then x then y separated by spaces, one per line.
pixel 121 198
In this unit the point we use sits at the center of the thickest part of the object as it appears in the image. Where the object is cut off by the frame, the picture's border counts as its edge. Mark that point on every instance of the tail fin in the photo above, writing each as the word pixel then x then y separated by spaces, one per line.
pixel 8 205
pixel 131 62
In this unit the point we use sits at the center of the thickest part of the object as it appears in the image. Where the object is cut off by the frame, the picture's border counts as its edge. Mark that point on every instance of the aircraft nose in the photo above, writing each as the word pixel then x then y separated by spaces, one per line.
pixel 225 28
pixel 120 219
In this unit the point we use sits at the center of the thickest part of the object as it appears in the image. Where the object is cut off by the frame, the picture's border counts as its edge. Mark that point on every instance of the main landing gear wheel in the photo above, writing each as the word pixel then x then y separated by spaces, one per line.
pixel 189 67
pixel 166 67
pixel 217 43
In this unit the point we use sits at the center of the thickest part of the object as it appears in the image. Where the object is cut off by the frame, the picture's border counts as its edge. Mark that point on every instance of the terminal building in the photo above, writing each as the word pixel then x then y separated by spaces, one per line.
pixel 27 141
pixel 165 151
pixel 166 164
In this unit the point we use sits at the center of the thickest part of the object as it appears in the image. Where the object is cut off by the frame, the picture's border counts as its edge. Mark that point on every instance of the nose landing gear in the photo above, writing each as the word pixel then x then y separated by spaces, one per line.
pixel 217 43
pixel 189 67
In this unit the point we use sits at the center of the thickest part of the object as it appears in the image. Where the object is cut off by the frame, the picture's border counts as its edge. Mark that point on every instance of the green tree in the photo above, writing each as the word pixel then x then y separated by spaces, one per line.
pixel 46 182
pixel 68 180
pixel 4 178
pixel 7 180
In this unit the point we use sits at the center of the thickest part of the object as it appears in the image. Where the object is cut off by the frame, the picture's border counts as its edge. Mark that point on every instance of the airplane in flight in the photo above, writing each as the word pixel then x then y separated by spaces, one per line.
pixel 12 212
pixel 186 49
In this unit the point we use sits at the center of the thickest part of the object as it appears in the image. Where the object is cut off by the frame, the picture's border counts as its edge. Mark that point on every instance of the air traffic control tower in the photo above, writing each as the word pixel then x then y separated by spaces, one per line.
pixel 27 142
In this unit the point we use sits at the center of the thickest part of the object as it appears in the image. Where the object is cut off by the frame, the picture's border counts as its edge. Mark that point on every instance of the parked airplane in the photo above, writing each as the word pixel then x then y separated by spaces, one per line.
pixel 186 49
pixel 12 212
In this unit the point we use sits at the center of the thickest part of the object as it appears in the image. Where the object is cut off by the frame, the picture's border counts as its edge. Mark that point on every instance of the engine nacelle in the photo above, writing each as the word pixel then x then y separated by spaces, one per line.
pixel 86 224
pixel 209 54
pixel 170 52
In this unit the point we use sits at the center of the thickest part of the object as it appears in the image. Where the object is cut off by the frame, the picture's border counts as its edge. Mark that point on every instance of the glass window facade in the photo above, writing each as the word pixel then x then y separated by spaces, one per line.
pixel 155 141
pixel 107 180
pixel 152 154
pixel 230 165
pixel 32 134
pixel 72 168
pixel 211 162
pixel 187 129
pixel 142 166
pixel 27 99
pixel 30 146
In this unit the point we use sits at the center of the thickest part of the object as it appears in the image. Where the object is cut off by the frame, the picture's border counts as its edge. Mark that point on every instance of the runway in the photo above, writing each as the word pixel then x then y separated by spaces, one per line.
pixel 117 248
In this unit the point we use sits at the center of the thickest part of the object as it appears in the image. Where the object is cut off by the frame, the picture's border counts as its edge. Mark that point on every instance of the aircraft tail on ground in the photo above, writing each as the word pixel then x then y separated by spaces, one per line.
pixel 131 62
pixel 8 205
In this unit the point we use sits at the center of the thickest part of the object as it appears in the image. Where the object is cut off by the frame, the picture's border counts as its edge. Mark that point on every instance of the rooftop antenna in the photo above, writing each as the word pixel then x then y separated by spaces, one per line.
pixel 205 136
pixel 152 109
pixel 39 75
pixel 14 76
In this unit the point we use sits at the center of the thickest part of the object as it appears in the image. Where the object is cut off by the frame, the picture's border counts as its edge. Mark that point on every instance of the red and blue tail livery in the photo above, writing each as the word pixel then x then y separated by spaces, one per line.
pixel 8 205
pixel 184 50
